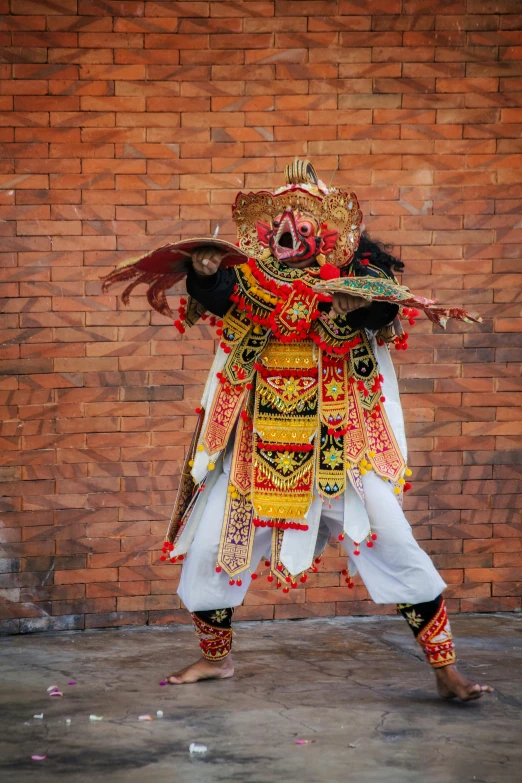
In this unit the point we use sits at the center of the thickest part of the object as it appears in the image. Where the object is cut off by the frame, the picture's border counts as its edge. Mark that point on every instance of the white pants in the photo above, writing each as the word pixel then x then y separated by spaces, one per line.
pixel 394 570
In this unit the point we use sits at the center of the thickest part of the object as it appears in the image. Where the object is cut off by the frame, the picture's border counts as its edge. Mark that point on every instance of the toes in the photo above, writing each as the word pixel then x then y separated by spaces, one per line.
pixel 477 691
pixel 481 689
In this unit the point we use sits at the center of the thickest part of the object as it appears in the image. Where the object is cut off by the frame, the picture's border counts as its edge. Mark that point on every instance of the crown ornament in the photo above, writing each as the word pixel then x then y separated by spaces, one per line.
pixel 303 192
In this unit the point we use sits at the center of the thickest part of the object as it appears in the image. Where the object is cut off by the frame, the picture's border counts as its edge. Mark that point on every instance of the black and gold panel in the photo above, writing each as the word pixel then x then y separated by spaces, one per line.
pixel 331 470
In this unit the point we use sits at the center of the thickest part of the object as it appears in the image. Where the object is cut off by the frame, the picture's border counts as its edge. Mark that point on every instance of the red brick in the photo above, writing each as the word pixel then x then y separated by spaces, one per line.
pixel 80 55
pixel 294 8
pixel 377 7
pixel 507 589
pixel 430 147
pixel 34 7
pixel 107 589
pixel 509 604
pixel 85 575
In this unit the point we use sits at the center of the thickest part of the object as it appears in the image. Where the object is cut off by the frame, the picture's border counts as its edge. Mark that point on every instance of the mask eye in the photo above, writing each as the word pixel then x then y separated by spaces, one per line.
pixel 305 229
pixel 276 224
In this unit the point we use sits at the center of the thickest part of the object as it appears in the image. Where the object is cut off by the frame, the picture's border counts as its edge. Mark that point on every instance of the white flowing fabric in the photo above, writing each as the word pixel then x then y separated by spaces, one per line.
pixel 298 547
pixel 394 570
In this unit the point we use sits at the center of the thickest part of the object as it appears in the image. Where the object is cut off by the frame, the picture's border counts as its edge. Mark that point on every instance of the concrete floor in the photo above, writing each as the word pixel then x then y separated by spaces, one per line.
pixel 355 688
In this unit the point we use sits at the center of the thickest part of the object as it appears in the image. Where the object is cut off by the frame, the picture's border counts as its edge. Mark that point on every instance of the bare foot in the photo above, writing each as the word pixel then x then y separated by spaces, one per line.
pixel 452 685
pixel 203 670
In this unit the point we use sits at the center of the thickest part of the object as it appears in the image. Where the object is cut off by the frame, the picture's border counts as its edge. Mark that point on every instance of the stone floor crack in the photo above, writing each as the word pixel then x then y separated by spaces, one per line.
pixel 358 686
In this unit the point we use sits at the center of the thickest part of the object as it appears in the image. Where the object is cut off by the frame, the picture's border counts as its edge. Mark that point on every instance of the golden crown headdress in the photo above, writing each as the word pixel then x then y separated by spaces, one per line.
pixel 305 192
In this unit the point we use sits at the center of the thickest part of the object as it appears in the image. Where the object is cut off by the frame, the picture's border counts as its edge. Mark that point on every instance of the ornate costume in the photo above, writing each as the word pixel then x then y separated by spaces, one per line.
pixel 300 432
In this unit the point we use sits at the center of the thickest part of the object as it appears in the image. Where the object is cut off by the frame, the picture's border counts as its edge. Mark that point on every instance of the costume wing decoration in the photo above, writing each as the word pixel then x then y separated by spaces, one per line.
pixel 378 290
pixel 162 268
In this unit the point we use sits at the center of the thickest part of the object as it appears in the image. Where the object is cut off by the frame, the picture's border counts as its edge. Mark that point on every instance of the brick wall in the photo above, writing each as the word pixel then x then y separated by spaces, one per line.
pixel 125 124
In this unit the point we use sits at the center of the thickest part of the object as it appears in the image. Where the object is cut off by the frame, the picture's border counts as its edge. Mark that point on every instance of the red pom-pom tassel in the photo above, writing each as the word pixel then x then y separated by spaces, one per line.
pixel 329 272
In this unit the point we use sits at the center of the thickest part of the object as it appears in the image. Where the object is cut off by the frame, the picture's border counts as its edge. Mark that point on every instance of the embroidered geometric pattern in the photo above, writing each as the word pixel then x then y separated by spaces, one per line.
pixel 436 639
pixel 241 469
pixel 283 468
pixel 294 311
pixel 430 625
pixel 219 616
pixel 237 535
pixel 364 369
pixel 186 486
pixel 285 421
pixel 283 429
pixel 387 461
pixel 222 418
pixel 286 393
pixel 215 643
pixel 281 573
pixel 413 619
pixel 290 310
pixel 316 406
pixel 333 408
pixel 354 475
pixel 289 356
pixel 330 470
pixel 239 367
pixel 277 502
pixel 356 440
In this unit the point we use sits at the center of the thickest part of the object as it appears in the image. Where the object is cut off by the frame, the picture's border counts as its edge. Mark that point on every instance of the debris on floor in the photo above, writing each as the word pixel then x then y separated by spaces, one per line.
pixel 194 747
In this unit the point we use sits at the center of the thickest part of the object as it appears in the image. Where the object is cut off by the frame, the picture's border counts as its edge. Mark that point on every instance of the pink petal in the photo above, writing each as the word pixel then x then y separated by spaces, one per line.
pixel 39 758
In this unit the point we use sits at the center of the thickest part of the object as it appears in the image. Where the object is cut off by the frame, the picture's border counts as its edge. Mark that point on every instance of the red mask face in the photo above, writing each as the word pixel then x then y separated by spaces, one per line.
pixel 296 238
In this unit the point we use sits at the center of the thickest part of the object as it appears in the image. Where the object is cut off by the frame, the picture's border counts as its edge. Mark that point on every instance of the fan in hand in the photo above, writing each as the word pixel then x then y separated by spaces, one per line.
pixel 162 268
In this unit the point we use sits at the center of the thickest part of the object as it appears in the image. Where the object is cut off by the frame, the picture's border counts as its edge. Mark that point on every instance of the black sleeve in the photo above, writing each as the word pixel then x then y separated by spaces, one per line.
pixel 374 317
pixel 212 291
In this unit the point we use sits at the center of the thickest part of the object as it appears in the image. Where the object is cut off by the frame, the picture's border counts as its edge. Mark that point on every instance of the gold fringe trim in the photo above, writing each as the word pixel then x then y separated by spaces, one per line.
pixel 267 394
pixel 277 480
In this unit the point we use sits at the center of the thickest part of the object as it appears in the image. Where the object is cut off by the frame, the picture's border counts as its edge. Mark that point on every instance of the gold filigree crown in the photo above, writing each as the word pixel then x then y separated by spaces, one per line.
pixel 303 192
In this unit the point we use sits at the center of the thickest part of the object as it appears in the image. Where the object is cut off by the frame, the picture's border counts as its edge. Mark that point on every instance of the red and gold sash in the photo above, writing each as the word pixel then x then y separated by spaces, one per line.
pixel 237 533
pixel 285 422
